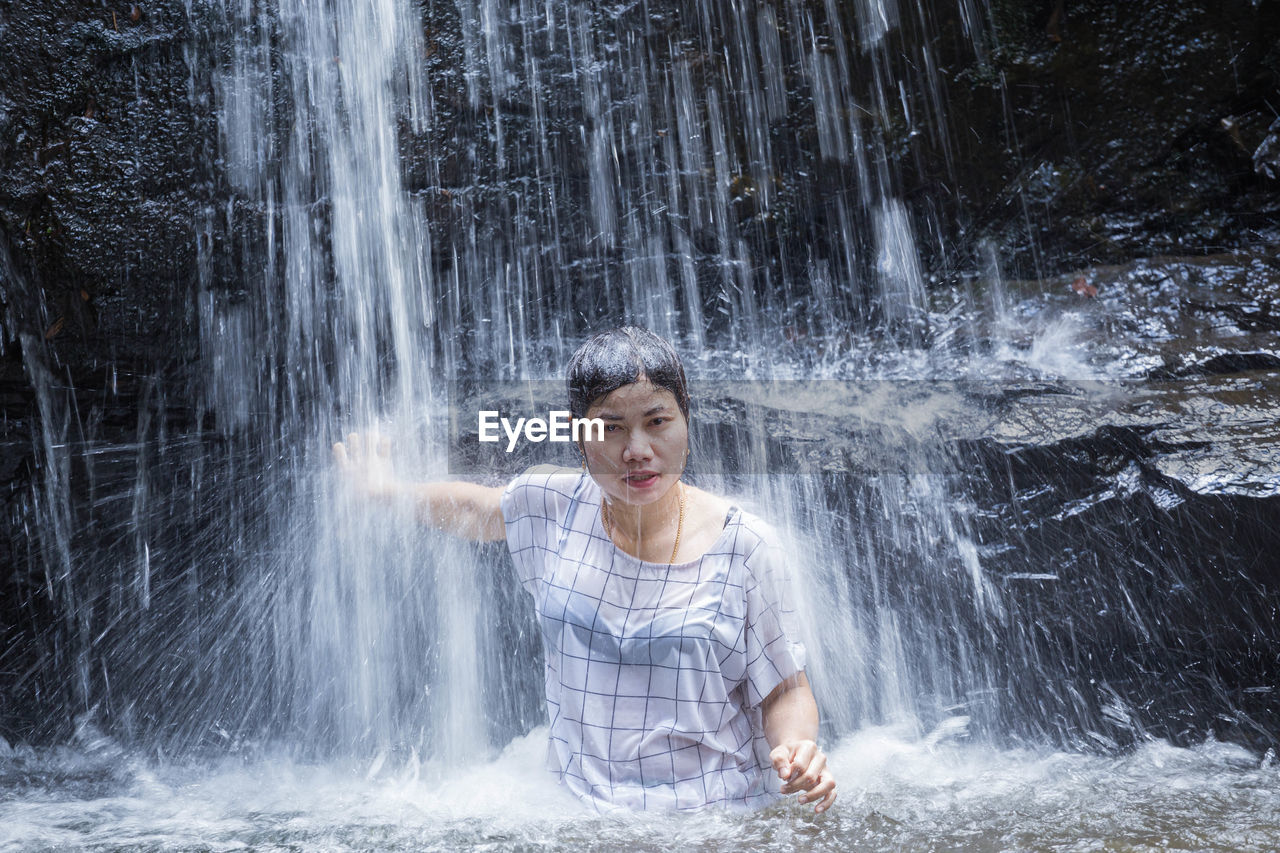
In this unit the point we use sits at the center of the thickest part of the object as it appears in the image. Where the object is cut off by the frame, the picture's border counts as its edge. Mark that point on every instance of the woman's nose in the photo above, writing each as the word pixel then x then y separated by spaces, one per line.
pixel 637 448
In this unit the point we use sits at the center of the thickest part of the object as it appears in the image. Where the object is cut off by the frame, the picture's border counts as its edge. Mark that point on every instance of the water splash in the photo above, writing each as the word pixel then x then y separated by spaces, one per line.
pixel 905 792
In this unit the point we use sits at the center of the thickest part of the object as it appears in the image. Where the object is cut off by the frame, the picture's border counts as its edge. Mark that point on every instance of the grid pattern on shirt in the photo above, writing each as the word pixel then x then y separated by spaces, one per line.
pixel 654 673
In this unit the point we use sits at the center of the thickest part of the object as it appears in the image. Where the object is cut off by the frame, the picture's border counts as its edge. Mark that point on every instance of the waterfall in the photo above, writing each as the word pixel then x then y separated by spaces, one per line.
pixel 340 330
pixel 618 165
pixel 430 197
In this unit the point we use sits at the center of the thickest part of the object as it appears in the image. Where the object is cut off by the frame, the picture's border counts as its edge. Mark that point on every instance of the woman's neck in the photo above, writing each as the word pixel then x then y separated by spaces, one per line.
pixel 642 525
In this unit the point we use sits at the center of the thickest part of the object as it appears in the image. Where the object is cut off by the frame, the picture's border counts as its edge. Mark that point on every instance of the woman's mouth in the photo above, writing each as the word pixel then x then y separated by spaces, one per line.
pixel 640 481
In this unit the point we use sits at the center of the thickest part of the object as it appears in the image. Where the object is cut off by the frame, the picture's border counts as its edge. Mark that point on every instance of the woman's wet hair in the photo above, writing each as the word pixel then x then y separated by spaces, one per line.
pixel 618 357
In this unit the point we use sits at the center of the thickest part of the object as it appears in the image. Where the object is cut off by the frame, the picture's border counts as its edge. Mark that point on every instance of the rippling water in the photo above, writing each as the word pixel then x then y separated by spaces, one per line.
pixel 898 792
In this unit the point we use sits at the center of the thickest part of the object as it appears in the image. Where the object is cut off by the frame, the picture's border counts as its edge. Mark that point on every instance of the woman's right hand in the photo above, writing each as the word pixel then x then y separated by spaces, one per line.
pixel 463 509
pixel 365 465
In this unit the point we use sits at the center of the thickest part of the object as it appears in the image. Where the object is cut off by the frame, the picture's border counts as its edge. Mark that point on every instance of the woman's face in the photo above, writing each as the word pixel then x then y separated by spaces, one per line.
pixel 646 440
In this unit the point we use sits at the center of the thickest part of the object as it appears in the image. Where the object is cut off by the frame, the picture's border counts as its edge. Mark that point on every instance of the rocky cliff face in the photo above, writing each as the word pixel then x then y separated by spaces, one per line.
pixel 1076 134
pixel 107 139
pixel 1123 517
pixel 1122 130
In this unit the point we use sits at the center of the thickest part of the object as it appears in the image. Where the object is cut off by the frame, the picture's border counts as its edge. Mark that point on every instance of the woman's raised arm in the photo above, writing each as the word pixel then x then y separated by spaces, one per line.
pixel 464 509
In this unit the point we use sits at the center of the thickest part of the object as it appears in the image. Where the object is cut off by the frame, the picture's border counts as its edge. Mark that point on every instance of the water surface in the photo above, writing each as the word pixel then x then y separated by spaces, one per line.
pixel 898 792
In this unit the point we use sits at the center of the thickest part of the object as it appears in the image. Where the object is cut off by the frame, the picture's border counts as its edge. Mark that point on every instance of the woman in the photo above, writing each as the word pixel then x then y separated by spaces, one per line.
pixel 674 674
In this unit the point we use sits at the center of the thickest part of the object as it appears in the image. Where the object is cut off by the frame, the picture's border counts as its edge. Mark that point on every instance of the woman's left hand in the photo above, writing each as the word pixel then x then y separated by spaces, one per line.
pixel 803 767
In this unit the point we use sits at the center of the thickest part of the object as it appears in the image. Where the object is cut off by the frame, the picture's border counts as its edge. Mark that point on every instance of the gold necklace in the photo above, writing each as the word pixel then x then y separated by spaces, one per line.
pixel 607 519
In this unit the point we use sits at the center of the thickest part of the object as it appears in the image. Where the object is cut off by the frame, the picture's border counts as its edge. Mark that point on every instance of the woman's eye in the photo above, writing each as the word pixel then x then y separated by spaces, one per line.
pixel 611 427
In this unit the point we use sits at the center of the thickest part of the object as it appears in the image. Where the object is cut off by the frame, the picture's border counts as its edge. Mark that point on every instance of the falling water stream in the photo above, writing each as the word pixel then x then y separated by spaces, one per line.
pixel 421 208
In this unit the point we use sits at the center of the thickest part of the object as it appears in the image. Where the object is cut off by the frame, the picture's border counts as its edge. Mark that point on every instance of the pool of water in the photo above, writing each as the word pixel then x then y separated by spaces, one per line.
pixel 897 792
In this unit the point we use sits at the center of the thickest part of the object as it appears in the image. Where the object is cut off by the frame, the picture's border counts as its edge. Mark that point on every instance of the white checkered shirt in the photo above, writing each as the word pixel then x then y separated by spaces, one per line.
pixel 654 673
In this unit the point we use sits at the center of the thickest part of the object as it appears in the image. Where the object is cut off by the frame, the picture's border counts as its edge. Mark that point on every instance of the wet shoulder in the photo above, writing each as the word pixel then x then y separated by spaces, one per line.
pixel 544 491
pixel 755 536
pixel 749 536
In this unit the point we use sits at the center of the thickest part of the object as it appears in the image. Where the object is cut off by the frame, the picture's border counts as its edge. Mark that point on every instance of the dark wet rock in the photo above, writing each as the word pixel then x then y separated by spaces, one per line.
pixel 1158 318
pixel 1234 362
pixel 1131 134
pixel 1126 579
pixel 1266 160
pixel 106 164
pixel 1141 574
pixel 1210 436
